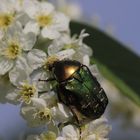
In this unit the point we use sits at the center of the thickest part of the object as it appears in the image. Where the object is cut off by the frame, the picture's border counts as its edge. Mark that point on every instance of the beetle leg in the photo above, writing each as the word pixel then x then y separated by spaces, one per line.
pixel 59 96
pixel 75 113
pixel 77 116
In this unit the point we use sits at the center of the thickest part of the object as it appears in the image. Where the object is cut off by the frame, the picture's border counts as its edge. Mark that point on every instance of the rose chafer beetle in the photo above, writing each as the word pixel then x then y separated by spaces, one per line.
pixel 78 89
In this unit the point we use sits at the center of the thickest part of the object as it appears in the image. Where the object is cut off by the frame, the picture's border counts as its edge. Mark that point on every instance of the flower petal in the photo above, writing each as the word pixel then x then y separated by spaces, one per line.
pixel 52 49
pixel 32 27
pixel 46 8
pixel 50 33
pixel 61 22
pixel 65 54
pixel 12 98
pixel 99 127
pixel 28 40
pixel 22 63
pixel 27 113
pixel 36 58
pixel 86 60
pixel 18 75
pixel 50 98
pixel 41 85
pixel 5 65
pixel 31 8
pixel 30 114
pixel 85 49
pixel 94 70
pixel 15 30
pixel 23 18
pixel 64 110
pixel 61 113
pixel 61 138
pixel 91 137
pixel 38 103
pixel 70 132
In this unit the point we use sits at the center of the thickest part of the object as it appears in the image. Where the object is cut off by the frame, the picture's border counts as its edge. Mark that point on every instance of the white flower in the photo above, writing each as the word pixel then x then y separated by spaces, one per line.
pixel 44 16
pixel 44 110
pixel 41 85
pixel 36 113
pixel 69 132
pixel 8 15
pixel 66 42
pixel 95 130
pixel 13 47
pixel 61 113
pixel 9 5
pixel 72 9
pixel 25 89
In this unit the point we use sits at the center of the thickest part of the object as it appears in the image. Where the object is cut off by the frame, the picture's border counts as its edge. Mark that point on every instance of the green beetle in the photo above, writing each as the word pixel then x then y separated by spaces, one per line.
pixel 78 89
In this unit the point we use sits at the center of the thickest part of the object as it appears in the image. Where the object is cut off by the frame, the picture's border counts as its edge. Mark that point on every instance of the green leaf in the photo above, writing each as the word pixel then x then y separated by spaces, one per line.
pixel 115 61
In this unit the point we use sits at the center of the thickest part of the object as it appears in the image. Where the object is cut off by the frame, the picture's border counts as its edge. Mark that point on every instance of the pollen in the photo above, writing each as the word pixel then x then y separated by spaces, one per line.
pixel 27 91
pixel 13 50
pixel 44 20
pixel 50 61
pixel 44 114
pixel 6 19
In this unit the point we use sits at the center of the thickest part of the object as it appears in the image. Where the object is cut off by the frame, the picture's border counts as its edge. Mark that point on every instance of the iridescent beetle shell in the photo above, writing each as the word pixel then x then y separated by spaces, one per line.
pixel 79 90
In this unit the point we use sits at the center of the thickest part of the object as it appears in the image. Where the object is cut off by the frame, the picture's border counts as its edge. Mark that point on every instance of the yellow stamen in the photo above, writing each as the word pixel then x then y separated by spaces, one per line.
pixel 5 20
pixel 49 61
pixel 27 91
pixel 44 115
pixel 13 50
pixel 44 20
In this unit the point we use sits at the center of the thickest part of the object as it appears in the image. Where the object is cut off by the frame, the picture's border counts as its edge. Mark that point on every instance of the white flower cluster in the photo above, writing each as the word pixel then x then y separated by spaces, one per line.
pixel 32 36
pixel 96 130
pixel 70 8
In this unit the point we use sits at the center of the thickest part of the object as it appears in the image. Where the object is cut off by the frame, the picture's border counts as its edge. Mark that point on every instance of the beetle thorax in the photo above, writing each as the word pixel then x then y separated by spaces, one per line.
pixel 65 69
